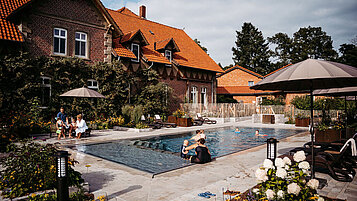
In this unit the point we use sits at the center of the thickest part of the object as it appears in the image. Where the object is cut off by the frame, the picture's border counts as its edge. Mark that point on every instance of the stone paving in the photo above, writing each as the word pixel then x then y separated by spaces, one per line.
pixel 234 171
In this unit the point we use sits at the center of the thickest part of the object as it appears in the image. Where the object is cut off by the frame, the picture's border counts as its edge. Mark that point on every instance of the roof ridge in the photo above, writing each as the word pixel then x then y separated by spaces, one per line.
pixel 143 18
pixel 277 70
pixel 241 68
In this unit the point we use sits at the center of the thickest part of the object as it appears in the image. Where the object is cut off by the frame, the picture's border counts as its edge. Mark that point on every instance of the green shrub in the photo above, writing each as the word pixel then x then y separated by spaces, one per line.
pixel 31 167
pixel 276 101
pixel 141 125
pixel 136 114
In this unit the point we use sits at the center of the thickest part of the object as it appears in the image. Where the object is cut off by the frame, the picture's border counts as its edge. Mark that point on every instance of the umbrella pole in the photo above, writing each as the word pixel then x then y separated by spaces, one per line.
pixel 346 115
pixel 312 135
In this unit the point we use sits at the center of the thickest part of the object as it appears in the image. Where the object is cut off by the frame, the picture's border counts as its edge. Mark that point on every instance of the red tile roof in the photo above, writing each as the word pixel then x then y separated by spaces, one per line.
pixel 190 55
pixel 8 30
pixel 277 70
pixel 122 51
pixel 241 90
pixel 241 68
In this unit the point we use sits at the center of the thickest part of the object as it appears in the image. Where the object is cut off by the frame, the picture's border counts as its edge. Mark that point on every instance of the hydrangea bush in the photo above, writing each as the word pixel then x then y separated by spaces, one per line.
pixel 286 180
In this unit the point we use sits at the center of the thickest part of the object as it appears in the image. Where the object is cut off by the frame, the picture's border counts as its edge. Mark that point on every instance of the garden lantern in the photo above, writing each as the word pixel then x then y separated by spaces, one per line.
pixel 271 148
pixel 62 174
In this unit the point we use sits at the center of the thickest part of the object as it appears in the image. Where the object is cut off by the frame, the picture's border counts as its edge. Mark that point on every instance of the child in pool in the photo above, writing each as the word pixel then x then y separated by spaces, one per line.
pixel 259 135
pixel 237 130
pixel 183 151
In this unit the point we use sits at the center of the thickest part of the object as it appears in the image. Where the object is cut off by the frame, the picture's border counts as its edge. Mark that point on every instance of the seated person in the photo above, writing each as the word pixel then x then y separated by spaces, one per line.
pixel 81 126
pixel 202 152
pixel 60 129
pixel 197 136
pixel 183 151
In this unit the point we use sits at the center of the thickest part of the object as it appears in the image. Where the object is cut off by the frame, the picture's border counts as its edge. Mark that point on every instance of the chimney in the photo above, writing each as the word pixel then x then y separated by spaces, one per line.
pixel 143 11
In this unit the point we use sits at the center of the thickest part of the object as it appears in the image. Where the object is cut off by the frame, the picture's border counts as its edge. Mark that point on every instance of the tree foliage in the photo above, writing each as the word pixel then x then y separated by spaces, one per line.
pixel 348 54
pixel 307 42
pixel 251 50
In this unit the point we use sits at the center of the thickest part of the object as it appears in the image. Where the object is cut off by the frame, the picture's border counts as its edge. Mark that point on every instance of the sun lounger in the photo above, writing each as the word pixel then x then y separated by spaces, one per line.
pixel 151 125
pixel 158 120
pixel 204 120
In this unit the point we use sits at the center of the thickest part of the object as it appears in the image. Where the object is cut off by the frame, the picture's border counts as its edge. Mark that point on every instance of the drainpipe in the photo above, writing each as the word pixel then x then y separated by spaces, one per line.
pixel 152 63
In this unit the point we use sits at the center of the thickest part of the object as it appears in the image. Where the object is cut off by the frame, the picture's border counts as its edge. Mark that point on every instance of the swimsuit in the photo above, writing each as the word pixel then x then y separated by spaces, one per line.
pixel 183 155
pixel 202 155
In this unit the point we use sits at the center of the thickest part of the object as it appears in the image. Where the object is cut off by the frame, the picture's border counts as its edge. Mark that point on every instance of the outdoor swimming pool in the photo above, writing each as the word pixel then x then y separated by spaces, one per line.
pixel 161 154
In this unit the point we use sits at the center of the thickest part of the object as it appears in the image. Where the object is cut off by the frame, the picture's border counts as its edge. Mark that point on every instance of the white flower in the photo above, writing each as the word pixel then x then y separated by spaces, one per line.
pixel 287 160
pixel 293 188
pixel 270 194
pixel 299 156
pixel 280 194
pixel 313 183
pixel 304 165
pixel 279 162
pixel 321 199
pixel 260 174
pixel 268 164
pixel 280 172
pixel 255 190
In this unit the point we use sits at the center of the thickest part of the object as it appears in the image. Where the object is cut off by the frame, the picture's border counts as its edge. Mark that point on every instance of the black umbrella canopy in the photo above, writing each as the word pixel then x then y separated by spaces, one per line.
pixel 309 75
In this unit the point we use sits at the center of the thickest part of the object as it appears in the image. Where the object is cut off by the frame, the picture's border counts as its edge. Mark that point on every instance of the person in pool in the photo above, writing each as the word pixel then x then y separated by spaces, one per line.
pixel 259 135
pixel 198 136
pixel 183 151
pixel 237 130
pixel 202 152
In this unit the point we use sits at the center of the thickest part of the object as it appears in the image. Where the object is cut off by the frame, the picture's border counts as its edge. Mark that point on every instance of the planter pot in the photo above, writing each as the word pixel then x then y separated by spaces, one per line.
pixel 302 122
pixel 184 122
pixel 268 119
pixel 172 119
pixel 329 135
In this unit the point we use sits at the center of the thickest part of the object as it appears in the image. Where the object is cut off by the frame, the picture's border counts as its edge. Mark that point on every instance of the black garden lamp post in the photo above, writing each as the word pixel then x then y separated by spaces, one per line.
pixel 62 174
pixel 271 149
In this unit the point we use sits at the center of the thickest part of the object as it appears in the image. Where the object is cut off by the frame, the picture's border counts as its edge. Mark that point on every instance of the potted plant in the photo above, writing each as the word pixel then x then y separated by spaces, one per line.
pixel 175 116
pixel 325 133
pixel 184 121
pixel 302 120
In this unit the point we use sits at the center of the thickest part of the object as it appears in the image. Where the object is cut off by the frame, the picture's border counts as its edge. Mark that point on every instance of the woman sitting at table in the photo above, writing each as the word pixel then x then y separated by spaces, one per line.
pixel 80 127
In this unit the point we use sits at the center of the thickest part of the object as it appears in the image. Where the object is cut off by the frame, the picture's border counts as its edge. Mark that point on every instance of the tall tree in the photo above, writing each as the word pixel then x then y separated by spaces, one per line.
pixel 307 42
pixel 349 54
pixel 251 50
pixel 199 44
pixel 283 49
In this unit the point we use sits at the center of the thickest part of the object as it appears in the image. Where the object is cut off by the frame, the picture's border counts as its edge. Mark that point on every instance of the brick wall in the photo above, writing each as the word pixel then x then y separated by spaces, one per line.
pixel 236 77
pixel 38 22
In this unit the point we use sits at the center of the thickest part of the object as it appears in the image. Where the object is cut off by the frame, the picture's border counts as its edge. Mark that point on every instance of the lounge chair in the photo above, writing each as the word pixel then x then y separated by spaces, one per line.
pixel 204 120
pixel 158 120
pixel 334 163
pixel 151 125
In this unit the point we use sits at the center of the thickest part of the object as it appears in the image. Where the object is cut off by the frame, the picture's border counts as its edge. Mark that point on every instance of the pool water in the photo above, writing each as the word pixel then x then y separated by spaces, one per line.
pixel 161 154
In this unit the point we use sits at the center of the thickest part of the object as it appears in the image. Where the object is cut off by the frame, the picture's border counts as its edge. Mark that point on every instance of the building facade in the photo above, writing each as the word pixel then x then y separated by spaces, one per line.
pixel 235 82
pixel 87 30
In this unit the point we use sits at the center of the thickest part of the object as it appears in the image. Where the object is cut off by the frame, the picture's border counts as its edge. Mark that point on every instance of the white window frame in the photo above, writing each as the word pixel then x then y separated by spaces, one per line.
pixel 204 92
pixel 80 40
pixel 194 94
pixel 59 44
pixel 43 85
pixel 250 83
pixel 91 86
pixel 168 55
pixel 132 48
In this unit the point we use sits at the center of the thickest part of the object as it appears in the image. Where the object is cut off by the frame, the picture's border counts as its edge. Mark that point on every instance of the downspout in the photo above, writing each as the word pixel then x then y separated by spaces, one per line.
pixel 152 63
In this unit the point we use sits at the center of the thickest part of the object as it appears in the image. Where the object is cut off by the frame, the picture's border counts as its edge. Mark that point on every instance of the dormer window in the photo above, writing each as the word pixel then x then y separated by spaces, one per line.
pixel 135 48
pixel 168 55
pixel 250 83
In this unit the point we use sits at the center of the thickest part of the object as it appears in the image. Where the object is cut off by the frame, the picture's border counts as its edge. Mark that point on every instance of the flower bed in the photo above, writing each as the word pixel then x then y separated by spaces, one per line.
pixel 284 180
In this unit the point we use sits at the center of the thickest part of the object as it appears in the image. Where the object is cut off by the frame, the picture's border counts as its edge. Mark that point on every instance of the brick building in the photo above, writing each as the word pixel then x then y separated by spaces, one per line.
pixel 87 30
pixel 235 82
pixel 180 62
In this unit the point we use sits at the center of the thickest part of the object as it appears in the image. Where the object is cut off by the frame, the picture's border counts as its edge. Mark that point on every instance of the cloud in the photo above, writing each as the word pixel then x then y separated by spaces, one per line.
pixel 214 22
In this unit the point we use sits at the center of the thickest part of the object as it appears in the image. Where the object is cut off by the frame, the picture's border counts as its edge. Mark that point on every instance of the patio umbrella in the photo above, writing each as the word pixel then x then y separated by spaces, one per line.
pixel 346 91
pixel 82 92
pixel 310 75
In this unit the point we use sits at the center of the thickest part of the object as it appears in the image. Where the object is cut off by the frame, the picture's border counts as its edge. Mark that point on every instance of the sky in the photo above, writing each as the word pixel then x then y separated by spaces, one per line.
pixel 215 22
